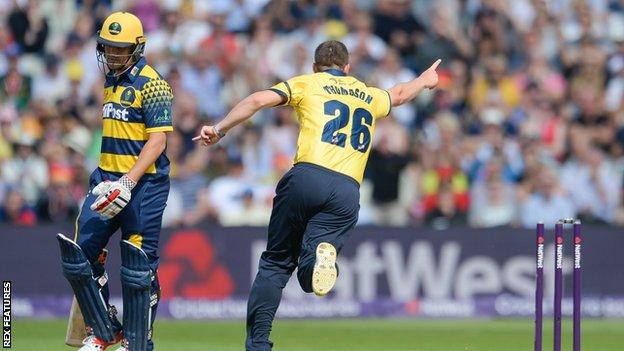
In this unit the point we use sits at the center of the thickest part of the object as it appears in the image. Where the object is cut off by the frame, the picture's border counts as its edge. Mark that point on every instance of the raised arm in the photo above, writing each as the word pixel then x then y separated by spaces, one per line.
pixel 406 92
pixel 241 112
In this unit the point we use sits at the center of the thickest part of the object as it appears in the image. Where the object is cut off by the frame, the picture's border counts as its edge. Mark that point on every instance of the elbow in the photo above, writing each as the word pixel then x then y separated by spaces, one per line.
pixel 255 102
pixel 398 99
pixel 158 142
pixel 397 96
pixel 162 146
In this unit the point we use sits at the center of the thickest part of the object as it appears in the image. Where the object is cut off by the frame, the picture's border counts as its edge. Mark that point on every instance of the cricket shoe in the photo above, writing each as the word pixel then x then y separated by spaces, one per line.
pixel 93 343
pixel 124 346
pixel 325 272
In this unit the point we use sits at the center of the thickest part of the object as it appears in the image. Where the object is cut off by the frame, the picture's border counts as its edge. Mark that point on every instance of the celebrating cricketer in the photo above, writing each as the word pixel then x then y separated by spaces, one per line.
pixel 317 201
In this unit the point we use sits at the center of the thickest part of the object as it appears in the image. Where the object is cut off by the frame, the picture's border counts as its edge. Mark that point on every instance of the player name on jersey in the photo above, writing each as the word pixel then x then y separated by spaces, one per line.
pixel 332 89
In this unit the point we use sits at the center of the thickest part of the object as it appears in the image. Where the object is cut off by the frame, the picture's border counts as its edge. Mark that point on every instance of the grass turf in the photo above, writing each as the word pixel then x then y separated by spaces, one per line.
pixel 345 335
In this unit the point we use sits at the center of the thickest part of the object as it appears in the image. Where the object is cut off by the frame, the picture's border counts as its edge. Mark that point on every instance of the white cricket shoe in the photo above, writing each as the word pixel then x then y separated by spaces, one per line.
pixel 93 343
pixel 324 273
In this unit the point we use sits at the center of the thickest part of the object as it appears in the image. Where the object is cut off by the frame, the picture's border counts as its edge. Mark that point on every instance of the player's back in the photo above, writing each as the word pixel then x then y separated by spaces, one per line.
pixel 337 115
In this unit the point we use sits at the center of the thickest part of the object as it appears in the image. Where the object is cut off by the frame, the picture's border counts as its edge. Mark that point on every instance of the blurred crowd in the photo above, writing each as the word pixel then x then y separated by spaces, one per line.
pixel 527 123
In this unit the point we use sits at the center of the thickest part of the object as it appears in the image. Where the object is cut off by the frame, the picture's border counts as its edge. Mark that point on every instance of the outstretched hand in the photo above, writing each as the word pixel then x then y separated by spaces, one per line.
pixel 430 76
pixel 208 136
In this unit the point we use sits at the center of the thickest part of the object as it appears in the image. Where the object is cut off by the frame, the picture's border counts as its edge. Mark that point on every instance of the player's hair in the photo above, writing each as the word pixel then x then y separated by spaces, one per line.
pixel 331 54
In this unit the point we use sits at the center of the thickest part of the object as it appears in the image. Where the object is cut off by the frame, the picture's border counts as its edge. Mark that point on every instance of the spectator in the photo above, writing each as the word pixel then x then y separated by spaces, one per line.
pixel 53 85
pixel 15 211
pixel 250 213
pixel 312 33
pixel 494 87
pixel 390 72
pixel 8 116
pixel 493 202
pixel 494 144
pixel 395 24
pixel 445 39
pixel 387 160
pixel 202 77
pixel 543 199
pixel 57 203
pixel 444 174
pixel 592 181
pixel 15 87
pixel 238 14
pixel 223 43
pixel 445 214
pixel 26 172
pixel 29 27
pixel 363 45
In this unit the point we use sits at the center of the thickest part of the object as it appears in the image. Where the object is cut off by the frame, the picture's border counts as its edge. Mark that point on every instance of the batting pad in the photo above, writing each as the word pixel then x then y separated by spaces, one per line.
pixel 136 278
pixel 77 270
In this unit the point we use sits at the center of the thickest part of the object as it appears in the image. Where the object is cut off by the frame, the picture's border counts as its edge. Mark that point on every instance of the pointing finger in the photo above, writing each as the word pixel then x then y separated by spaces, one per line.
pixel 435 64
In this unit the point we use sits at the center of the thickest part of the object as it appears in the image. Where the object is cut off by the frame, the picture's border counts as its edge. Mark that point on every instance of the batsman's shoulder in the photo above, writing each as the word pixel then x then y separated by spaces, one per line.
pixel 150 73
pixel 150 80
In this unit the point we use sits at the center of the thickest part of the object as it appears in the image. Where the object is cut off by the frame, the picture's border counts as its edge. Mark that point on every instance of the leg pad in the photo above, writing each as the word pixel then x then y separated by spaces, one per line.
pixel 136 279
pixel 78 271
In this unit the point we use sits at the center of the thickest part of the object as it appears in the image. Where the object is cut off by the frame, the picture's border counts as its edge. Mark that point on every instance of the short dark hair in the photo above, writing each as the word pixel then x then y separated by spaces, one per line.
pixel 331 53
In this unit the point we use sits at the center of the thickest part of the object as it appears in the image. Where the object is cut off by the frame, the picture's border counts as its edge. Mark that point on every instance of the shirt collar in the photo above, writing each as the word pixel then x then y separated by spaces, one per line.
pixel 131 73
pixel 335 72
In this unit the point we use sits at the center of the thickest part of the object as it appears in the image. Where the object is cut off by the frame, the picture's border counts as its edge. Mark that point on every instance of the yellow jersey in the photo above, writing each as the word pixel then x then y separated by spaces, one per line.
pixel 336 115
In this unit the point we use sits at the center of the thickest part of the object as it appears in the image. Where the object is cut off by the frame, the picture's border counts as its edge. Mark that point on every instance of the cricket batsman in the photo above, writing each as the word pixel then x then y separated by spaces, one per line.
pixel 317 201
pixel 128 190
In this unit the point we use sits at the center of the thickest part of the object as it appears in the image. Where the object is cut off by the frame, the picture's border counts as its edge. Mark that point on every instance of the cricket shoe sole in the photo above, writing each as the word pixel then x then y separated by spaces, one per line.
pixel 324 273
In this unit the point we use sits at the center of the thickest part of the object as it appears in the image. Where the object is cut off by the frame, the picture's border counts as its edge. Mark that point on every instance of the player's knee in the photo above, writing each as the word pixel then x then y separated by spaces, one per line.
pixel 135 271
pixel 277 263
pixel 73 260
pixel 276 274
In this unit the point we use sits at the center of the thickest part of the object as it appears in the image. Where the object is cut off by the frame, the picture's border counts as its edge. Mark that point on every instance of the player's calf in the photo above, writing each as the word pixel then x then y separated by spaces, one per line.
pixel 325 273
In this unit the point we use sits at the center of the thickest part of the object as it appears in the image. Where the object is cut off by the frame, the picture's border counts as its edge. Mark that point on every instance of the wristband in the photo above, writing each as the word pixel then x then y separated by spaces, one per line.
pixel 218 132
pixel 127 182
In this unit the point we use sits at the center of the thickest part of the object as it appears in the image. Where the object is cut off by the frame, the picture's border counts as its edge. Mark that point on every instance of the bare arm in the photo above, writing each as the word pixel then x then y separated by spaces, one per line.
pixel 152 149
pixel 405 92
pixel 240 113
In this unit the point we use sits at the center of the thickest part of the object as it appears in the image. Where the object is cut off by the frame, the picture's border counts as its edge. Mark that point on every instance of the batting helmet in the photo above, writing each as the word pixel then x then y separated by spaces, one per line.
pixel 121 30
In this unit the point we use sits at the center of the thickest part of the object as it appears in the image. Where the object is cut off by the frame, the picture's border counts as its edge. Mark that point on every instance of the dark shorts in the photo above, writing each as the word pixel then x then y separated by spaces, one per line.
pixel 312 205
pixel 140 221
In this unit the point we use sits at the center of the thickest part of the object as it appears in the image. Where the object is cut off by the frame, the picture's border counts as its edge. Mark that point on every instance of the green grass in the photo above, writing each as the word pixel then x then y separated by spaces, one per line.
pixel 345 335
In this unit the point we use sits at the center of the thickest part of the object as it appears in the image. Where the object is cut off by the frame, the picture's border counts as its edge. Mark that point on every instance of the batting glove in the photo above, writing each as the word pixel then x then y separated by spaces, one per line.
pixel 112 197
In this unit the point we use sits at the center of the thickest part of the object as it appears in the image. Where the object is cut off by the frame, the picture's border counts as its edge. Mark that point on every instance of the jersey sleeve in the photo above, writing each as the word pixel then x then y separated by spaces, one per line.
pixel 157 100
pixel 381 102
pixel 292 90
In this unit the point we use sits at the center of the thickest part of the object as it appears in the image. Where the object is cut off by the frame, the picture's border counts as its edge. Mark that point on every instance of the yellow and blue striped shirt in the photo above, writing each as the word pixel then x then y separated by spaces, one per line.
pixel 135 104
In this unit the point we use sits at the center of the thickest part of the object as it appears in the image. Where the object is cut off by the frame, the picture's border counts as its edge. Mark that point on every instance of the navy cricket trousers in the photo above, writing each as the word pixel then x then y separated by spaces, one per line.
pixel 312 205
pixel 140 223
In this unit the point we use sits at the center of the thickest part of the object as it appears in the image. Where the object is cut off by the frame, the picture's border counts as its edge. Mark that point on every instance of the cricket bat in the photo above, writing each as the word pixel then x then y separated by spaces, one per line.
pixel 76 329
